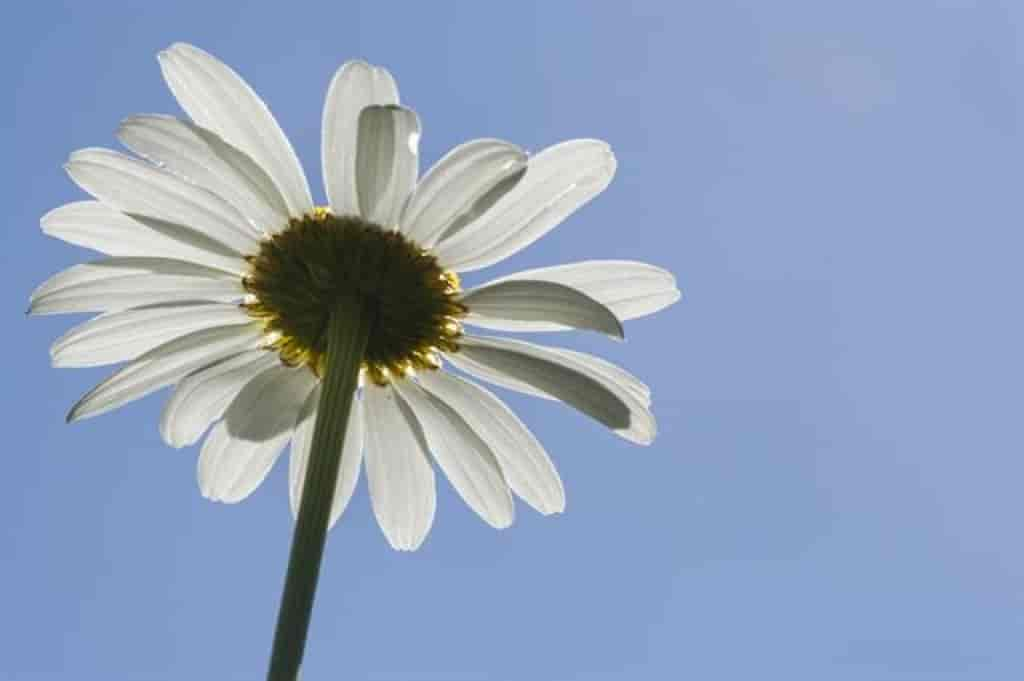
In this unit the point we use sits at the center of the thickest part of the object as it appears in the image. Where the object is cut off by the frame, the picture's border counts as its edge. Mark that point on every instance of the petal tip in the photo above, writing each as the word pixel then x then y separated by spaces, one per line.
pixel 643 439
pixel 179 47
pixel 354 64
pixel 503 524
pixel 618 331
pixel 163 58
pixel 402 546
pixel 126 124
pixel 172 439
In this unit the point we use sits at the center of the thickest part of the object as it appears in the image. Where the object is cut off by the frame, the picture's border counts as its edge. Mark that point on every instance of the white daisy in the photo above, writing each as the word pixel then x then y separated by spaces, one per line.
pixel 220 270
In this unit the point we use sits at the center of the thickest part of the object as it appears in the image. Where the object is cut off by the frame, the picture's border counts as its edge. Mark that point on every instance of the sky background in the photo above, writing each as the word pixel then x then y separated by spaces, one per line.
pixel 835 492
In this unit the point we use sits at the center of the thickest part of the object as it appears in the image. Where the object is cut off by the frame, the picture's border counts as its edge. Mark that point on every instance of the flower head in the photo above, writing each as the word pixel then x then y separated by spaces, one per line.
pixel 219 272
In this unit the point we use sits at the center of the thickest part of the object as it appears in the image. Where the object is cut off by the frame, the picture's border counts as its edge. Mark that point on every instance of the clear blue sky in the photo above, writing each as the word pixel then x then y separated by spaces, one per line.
pixel 836 489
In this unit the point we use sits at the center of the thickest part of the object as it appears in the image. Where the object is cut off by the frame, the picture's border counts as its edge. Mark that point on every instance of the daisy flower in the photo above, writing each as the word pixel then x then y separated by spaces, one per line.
pixel 220 275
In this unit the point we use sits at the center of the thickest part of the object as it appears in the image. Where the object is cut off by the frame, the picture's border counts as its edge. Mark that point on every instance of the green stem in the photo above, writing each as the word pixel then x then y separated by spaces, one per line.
pixel 347 332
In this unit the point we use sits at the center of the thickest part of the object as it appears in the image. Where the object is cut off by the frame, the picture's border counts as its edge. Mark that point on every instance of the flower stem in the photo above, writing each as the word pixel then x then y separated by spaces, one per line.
pixel 347 333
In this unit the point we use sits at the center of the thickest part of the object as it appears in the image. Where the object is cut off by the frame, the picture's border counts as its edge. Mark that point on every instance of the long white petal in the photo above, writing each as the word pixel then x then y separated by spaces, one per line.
pixel 563 376
pixel 122 283
pixel 201 157
pixel 549 374
pixel 351 455
pixel 355 85
pixel 629 289
pixel 217 98
pixel 106 268
pixel 201 398
pixel 242 448
pixel 485 372
pixel 387 161
pixel 166 364
pixel 608 373
pixel 461 186
pixel 140 188
pixel 527 467
pixel 465 458
pixel 507 305
pixel 123 336
pixel 95 225
pixel 401 479
pixel 604 370
pixel 558 180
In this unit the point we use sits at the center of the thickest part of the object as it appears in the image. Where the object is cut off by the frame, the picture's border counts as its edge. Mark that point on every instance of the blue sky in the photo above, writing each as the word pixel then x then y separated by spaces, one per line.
pixel 835 490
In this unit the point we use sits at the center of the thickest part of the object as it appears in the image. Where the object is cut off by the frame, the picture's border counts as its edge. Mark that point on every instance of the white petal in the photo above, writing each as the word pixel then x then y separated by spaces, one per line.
pixel 201 398
pixel 387 161
pixel 479 370
pixel 460 187
pixel 398 470
pixel 464 457
pixel 122 283
pixel 106 268
pixel 561 375
pixel 507 305
pixel 201 157
pixel 355 85
pixel 603 370
pixel 629 289
pixel 608 373
pixel 526 465
pixel 123 336
pixel 241 449
pixel 140 188
pixel 558 180
pixel 95 225
pixel 217 98
pixel 351 455
pixel 166 364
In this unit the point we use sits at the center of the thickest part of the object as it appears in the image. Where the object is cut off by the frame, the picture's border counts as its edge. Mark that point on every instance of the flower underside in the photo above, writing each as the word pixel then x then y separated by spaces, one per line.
pixel 299 273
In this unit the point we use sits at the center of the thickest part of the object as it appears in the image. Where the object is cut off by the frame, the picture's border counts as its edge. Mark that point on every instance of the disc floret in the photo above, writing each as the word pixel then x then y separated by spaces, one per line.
pixel 300 271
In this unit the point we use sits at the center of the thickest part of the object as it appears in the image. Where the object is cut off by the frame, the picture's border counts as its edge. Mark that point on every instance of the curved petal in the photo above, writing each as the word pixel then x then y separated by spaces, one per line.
pixel 558 180
pixel 355 85
pixel 464 457
pixel 398 470
pixel 629 289
pixel 460 187
pixel 201 398
pixel 106 268
pixel 608 373
pixel 123 336
pixel 351 455
pixel 561 375
pixel 242 448
pixel 387 161
pixel 164 365
pixel 217 98
pixel 525 464
pixel 486 373
pixel 95 225
pixel 135 187
pixel 201 157
pixel 507 305
pixel 122 283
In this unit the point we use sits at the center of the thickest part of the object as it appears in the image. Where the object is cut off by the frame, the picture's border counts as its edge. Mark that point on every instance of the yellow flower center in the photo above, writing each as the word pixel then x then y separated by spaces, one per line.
pixel 410 299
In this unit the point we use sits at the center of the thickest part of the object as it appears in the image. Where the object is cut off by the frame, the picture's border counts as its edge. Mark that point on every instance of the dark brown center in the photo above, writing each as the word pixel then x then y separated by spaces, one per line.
pixel 299 273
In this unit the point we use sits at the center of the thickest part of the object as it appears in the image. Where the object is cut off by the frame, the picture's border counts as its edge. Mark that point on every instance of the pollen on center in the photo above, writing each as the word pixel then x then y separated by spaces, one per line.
pixel 300 271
